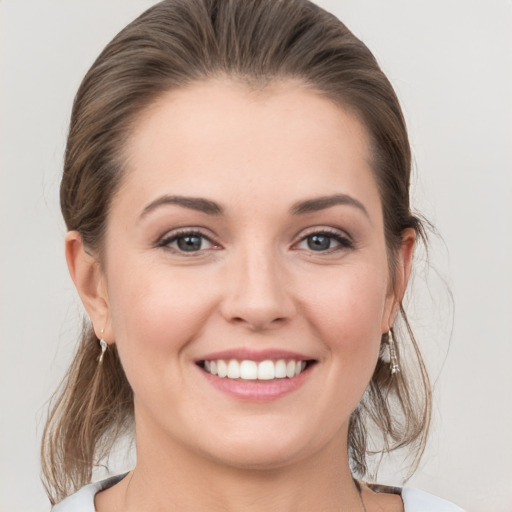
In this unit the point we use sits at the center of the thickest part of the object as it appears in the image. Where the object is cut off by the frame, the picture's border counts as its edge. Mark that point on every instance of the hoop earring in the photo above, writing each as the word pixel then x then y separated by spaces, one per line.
pixel 104 346
pixel 393 359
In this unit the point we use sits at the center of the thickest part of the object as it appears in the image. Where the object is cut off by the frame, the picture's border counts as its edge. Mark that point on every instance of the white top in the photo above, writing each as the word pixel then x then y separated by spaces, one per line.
pixel 414 500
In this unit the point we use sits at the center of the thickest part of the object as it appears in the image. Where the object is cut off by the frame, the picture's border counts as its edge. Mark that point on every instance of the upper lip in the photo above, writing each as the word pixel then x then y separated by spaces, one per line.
pixel 241 354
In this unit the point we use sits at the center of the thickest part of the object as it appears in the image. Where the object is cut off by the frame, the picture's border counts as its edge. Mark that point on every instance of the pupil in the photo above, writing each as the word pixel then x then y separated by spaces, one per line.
pixel 189 243
pixel 319 242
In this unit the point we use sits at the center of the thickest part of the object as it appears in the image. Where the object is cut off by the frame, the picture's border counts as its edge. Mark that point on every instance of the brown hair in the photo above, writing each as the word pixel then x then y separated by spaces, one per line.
pixel 171 45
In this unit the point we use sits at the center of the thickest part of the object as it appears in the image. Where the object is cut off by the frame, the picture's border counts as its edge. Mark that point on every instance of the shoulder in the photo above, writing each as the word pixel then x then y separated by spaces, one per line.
pixel 415 500
pixel 83 500
pixel 420 501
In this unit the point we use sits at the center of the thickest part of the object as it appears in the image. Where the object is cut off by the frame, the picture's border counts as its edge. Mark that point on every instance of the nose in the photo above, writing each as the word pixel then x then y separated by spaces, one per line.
pixel 258 291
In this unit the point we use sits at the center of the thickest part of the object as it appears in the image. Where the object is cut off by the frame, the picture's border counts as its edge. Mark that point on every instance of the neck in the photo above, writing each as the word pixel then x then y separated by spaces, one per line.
pixel 176 479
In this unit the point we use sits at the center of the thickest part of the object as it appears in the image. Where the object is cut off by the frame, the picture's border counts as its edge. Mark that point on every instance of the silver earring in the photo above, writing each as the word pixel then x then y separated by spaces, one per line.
pixel 103 345
pixel 393 360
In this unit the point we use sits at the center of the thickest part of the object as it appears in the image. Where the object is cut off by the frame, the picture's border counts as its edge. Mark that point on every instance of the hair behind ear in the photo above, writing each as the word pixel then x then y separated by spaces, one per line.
pixel 94 409
pixel 399 405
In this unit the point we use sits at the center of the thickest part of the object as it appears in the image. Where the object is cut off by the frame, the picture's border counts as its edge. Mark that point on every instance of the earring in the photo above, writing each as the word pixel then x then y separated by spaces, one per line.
pixel 103 345
pixel 393 360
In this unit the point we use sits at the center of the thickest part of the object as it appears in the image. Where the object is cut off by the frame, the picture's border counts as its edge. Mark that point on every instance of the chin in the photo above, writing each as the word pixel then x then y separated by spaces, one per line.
pixel 258 457
pixel 261 448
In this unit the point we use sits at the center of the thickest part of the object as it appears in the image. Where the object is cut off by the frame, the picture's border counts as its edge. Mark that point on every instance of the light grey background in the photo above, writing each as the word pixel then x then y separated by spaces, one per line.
pixel 450 62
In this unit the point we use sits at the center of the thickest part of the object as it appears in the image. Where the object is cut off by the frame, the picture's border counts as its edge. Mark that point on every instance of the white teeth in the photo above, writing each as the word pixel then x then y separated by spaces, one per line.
pixel 251 370
pixel 248 370
pixel 301 365
pixel 233 369
pixel 290 369
pixel 280 369
pixel 222 368
pixel 266 370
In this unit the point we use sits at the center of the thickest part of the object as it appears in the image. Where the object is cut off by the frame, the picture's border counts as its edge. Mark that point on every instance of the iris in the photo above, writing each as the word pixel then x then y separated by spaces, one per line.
pixel 189 243
pixel 319 242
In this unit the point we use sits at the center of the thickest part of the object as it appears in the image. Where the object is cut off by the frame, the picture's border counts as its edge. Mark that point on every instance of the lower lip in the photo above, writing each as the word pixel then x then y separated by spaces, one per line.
pixel 258 391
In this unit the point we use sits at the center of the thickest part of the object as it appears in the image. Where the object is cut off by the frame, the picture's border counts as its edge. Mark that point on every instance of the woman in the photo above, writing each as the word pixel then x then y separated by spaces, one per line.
pixel 236 190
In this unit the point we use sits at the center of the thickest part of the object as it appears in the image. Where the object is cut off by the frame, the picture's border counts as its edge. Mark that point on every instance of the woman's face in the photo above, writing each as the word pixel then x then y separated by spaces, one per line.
pixel 247 237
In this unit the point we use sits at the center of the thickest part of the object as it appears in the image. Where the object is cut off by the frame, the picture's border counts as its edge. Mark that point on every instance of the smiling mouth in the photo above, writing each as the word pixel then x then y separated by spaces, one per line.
pixel 255 370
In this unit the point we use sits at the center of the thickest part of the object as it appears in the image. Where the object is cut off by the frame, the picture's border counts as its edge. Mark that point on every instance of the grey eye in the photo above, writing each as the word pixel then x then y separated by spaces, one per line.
pixel 185 241
pixel 189 243
pixel 319 242
pixel 325 241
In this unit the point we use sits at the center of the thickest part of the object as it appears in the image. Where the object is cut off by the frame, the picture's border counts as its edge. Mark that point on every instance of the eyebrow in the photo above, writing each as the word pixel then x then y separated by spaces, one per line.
pixel 212 208
pixel 194 203
pixel 321 203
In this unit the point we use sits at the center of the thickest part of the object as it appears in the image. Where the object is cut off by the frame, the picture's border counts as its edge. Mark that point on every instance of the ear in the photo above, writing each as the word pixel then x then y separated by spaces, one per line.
pixel 403 267
pixel 89 279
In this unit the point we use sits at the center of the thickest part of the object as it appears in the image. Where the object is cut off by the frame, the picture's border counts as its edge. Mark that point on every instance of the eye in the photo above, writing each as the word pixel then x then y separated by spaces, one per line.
pixel 325 241
pixel 186 242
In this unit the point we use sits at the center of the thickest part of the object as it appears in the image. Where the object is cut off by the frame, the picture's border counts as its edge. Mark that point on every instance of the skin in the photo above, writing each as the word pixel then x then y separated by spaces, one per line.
pixel 255 283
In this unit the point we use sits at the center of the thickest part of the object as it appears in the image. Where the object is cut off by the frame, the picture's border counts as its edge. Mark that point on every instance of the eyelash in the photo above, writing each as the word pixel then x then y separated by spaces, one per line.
pixel 344 241
pixel 168 239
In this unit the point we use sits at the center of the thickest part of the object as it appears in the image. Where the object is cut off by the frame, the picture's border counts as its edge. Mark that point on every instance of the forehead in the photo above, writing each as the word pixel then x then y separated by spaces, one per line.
pixel 223 140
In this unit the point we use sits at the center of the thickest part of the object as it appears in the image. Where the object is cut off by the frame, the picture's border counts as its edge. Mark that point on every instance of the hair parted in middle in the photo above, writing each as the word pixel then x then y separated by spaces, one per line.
pixel 257 43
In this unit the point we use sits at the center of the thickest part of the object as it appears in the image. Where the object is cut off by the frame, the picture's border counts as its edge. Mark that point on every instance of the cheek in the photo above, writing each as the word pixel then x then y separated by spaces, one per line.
pixel 348 311
pixel 157 312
